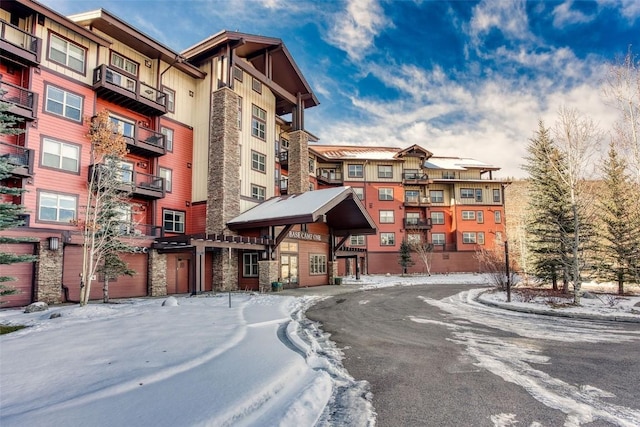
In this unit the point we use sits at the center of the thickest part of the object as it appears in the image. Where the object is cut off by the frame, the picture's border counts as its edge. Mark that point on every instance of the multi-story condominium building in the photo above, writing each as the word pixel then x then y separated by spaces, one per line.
pixel 220 179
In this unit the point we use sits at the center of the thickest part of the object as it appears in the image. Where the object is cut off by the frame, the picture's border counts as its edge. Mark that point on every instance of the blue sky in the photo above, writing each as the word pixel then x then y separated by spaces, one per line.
pixel 459 78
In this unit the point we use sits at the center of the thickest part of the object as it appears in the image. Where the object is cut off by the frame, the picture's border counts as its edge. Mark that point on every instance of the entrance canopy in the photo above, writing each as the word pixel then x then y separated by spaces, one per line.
pixel 338 207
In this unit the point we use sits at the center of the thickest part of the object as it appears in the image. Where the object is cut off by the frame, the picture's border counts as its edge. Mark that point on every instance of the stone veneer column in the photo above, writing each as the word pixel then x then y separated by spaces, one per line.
pixel 223 182
pixel 298 162
pixel 268 271
pixel 157 274
pixel 48 274
pixel 332 269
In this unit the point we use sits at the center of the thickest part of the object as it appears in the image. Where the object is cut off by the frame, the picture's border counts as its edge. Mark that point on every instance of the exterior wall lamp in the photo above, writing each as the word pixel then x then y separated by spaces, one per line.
pixel 54 243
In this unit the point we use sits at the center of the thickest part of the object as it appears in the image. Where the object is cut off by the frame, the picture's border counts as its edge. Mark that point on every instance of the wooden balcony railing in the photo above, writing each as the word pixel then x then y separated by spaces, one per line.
pixel 19 43
pixel 139 184
pixel 329 176
pixel 414 178
pixel 416 201
pixel 146 142
pixel 24 101
pixel 417 223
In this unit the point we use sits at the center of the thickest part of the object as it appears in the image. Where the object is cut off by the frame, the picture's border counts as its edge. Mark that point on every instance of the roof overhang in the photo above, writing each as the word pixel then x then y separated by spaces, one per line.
pixel 338 207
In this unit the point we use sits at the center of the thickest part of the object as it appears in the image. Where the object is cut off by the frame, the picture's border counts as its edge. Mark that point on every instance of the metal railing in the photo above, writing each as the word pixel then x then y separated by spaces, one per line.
pixel 20 38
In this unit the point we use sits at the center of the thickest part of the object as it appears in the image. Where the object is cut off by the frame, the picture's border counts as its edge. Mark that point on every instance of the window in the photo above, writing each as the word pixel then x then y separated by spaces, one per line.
pixel 466 193
pixel 167 175
pixel 480 217
pixel 412 196
pixel 496 195
pixel 437 238
pixel 481 237
pixel 258 122
pixel 312 165
pixel 238 74
pixel 357 240
pixel 63 103
pixel 355 171
pixel 250 264
pixel 125 127
pixel 256 85
pixel 385 194
pixel 60 155
pixel 317 264
pixel 478 194
pixel 437 217
pixel 258 192
pixel 468 237
pixel 497 217
pixel 168 138
pixel 387 239
pixel 126 172
pixel 410 173
pixel 173 221
pixel 258 162
pixel 468 215
pixel 124 64
pixel 66 53
pixel 56 207
pixel 170 99
pixel 359 192
pixel 448 175
pixel 412 218
pixel 289 247
pixel 284 144
pixel 385 171
pixel 437 196
pixel 414 238
pixel 386 217
pixel 240 113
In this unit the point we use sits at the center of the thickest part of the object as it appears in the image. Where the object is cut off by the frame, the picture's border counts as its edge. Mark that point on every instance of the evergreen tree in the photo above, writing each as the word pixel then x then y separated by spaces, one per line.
pixel 10 213
pixel 619 212
pixel 405 260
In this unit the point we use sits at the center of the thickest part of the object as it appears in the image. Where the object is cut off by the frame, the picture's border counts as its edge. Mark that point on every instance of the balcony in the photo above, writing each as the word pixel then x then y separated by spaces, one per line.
pixel 415 178
pixel 329 176
pixel 128 92
pixel 146 142
pixel 24 101
pixel 284 158
pixel 138 184
pixel 417 223
pixel 19 45
pixel 416 201
pixel 21 158
pixel 141 230
pixel 284 185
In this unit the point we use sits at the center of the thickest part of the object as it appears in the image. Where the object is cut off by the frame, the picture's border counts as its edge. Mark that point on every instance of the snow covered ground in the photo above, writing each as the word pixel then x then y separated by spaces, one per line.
pixel 210 360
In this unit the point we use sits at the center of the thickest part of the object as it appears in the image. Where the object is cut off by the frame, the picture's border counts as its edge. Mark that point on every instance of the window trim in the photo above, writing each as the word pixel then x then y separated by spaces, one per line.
pixel 169 94
pixel 258 187
pixel 168 183
pixel 44 139
pixel 256 85
pixel 468 215
pixel 125 59
pixel 317 264
pixel 355 173
pixel 68 42
pixel 435 199
pixel 168 144
pixel 174 211
pixel 237 73
pixel 47 86
pixel 496 191
pixel 249 256
pixel 383 175
pixel 480 217
pixel 388 234
pixel 393 217
pixel 469 238
pixel 465 191
pixel 433 220
pixel 444 239
pixel 261 132
pixel 497 217
pixel 361 190
pixel 41 192
pixel 257 162
pixel 358 239
pixel 382 192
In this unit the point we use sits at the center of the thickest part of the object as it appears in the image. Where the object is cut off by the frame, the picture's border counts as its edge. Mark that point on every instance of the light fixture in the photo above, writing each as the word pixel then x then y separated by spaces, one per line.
pixel 147 63
pixel 54 243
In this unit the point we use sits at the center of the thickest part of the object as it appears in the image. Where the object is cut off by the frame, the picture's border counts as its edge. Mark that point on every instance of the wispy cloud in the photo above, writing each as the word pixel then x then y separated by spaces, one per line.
pixel 355 28
pixel 630 9
pixel 508 17
pixel 564 14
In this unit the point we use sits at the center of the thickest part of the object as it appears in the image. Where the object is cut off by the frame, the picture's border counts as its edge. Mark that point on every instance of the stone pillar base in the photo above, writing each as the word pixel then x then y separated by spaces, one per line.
pixel 157 281
pixel 267 273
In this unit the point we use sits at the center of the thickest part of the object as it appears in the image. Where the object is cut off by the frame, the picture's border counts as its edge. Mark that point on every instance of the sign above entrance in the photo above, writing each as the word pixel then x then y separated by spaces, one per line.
pixel 303 235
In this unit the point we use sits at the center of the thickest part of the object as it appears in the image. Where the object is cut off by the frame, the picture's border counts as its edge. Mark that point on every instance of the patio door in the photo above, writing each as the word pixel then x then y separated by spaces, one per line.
pixel 289 269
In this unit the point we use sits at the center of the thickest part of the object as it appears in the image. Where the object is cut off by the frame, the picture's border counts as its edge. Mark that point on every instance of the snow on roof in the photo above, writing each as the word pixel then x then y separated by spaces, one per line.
pixel 343 152
pixel 456 163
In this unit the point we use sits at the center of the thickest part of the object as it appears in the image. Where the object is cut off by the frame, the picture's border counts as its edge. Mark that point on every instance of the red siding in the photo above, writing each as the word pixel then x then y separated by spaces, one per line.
pixel 22 272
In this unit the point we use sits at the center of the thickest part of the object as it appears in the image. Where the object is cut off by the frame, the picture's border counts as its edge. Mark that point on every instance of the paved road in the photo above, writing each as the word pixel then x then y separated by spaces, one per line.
pixel 434 357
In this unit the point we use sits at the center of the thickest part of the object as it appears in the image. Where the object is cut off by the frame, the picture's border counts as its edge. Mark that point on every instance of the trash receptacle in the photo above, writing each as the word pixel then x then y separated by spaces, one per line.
pixel 338 280
pixel 276 286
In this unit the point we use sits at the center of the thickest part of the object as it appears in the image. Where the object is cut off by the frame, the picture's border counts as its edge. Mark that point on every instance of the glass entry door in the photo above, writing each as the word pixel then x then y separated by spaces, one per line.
pixel 289 269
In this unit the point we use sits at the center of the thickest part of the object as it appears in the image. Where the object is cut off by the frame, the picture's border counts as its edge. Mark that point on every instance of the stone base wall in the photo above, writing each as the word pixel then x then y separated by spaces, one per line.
pixel 298 158
pixel 48 274
pixel 157 274
pixel 225 270
pixel 268 272
pixel 332 269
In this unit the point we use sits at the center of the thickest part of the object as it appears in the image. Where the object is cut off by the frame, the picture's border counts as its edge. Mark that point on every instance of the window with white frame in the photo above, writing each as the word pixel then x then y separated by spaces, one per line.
pixel 126 171
pixel 60 155
pixel 386 217
pixel 258 122
pixel 258 192
pixel 437 217
pixel 258 161
pixel 387 239
pixel 385 171
pixel 481 237
pixel 126 127
pixel 497 217
pixel 250 264
pixel 496 195
pixel 437 238
pixel 167 174
pixel 359 192
pixel 124 64
pixel 469 237
pixel 357 240
pixel 468 215
pixel 466 193
pixel 412 218
pixel 355 171
pixel 57 207
pixel 448 175
pixel 385 193
pixel 317 264
pixel 412 196
pixel 173 221
pixel 170 99
pixel 437 196
pixel 63 103
pixel 168 137
pixel 67 53
pixel 480 217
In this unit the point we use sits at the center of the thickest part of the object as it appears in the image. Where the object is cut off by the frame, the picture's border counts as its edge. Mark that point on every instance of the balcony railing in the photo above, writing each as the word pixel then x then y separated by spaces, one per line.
pixel 24 101
pixel 329 176
pixel 139 184
pixel 141 230
pixel 284 158
pixel 416 201
pixel 128 92
pixel 146 142
pixel 20 157
pixel 19 43
pixel 417 223
pixel 284 185
pixel 414 178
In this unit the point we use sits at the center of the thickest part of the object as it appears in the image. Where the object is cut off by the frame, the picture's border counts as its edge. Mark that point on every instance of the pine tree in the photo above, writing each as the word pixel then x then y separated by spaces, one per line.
pixel 619 212
pixel 405 260
pixel 10 213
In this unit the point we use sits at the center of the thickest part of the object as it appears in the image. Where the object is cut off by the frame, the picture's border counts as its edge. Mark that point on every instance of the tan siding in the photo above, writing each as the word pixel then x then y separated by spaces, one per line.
pixel 43 32
pixel 201 117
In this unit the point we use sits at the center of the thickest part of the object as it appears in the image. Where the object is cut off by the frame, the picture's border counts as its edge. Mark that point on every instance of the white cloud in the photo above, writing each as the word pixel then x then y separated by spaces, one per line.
pixel 355 28
pixel 509 17
pixel 563 15
pixel 630 9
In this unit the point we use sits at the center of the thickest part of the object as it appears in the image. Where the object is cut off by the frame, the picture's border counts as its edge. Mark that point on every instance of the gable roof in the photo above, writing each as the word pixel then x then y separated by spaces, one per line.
pixel 339 207
pixel 354 152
